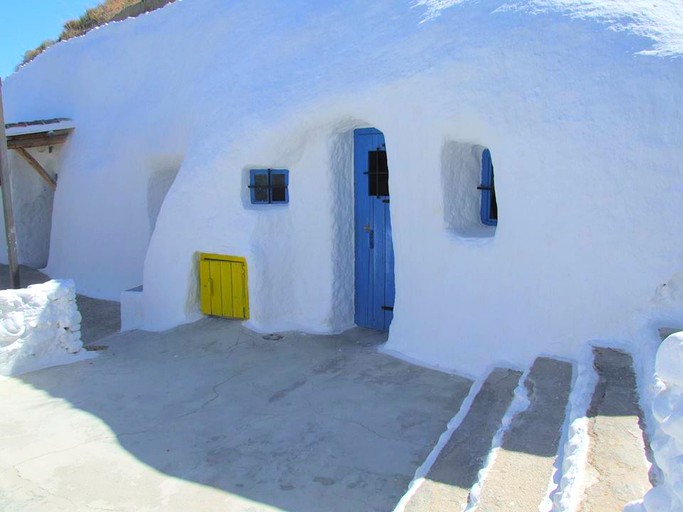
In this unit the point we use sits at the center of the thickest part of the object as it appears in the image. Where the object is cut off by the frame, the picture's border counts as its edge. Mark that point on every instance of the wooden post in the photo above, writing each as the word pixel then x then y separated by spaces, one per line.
pixel 10 228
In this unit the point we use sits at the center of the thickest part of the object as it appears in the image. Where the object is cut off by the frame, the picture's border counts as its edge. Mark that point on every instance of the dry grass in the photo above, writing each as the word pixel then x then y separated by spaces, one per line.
pixel 105 12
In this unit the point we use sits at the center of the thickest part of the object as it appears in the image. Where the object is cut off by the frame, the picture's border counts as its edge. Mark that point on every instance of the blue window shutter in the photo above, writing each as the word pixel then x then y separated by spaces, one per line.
pixel 489 210
pixel 279 186
pixel 259 188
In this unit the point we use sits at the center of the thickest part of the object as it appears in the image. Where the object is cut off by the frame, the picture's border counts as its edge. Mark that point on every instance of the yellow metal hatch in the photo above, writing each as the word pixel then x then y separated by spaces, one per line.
pixel 223 285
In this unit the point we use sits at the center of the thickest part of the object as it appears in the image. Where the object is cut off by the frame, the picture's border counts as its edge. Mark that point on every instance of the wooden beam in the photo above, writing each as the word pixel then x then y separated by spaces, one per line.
pixel 10 228
pixel 37 167
pixel 34 140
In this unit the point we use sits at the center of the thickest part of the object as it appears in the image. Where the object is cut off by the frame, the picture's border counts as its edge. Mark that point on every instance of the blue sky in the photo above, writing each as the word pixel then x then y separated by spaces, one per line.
pixel 24 24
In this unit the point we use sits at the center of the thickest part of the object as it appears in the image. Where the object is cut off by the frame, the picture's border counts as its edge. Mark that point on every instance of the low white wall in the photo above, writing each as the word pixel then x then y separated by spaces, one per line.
pixel 658 386
pixel 40 326
pixel 132 310
pixel 667 444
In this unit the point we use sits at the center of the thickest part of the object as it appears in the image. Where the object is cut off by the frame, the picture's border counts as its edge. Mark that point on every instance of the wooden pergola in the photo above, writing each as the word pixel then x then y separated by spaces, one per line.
pixel 33 134
pixel 19 137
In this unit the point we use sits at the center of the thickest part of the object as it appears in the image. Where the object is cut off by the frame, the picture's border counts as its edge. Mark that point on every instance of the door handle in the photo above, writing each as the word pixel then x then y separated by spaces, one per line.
pixel 372 239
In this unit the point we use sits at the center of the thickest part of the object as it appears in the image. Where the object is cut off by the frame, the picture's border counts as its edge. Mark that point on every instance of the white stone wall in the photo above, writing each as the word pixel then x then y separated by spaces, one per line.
pixel 40 326
pixel 667 444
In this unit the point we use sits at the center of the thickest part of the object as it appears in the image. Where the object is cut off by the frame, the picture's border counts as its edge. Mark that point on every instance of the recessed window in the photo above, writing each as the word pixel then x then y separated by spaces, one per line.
pixel 269 186
pixel 489 207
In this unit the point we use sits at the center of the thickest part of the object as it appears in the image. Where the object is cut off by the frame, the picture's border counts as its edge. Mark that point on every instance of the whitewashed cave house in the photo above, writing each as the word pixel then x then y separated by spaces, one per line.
pixel 486 183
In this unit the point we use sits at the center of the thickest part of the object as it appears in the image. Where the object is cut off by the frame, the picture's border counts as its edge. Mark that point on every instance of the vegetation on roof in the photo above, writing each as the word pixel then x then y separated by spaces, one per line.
pixel 105 12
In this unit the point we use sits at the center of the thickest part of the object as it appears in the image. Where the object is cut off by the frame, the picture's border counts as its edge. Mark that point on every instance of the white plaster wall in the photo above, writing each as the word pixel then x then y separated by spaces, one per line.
pixel 584 135
pixel 32 201
pixel 286 291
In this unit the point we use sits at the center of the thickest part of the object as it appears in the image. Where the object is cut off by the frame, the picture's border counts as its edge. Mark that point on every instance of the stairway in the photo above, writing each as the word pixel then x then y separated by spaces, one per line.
pixel 507 453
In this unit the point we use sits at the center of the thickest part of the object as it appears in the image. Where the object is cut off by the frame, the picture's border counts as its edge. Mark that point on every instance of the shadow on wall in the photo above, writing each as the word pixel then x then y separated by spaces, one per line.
pixel 32 201
pixel 160 181
pixel 341 166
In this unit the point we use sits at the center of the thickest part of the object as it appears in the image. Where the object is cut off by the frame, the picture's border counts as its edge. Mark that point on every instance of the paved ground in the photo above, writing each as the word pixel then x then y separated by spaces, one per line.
pixel 101 318
pixel 211 416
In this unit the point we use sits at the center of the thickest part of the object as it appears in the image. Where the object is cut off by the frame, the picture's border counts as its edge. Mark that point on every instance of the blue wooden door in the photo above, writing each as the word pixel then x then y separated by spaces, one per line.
pixel 374 252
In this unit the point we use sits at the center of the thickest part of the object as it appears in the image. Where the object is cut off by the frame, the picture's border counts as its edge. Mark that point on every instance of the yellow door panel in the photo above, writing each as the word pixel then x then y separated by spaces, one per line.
pixel 216 299
pixel 205 287
pixel 238 289
pixel 226 289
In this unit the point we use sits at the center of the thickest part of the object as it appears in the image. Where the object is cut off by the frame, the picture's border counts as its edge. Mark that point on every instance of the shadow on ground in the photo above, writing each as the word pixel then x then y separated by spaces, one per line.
pixel 304 423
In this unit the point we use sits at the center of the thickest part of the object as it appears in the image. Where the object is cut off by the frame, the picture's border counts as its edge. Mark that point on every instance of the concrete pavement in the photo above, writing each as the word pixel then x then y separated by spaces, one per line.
pixel 211 416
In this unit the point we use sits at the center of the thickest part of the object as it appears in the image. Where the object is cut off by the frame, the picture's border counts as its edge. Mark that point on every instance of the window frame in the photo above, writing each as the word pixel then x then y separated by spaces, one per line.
pixel 270 173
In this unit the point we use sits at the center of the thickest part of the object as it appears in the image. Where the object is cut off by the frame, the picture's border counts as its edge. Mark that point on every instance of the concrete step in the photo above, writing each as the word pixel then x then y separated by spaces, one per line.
pixel 617 469
pixel 448 482
pixel 520 472
pixel 524 465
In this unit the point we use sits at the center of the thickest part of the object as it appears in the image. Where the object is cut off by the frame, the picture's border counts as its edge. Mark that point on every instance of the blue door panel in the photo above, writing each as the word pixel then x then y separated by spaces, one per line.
pixel 374 255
